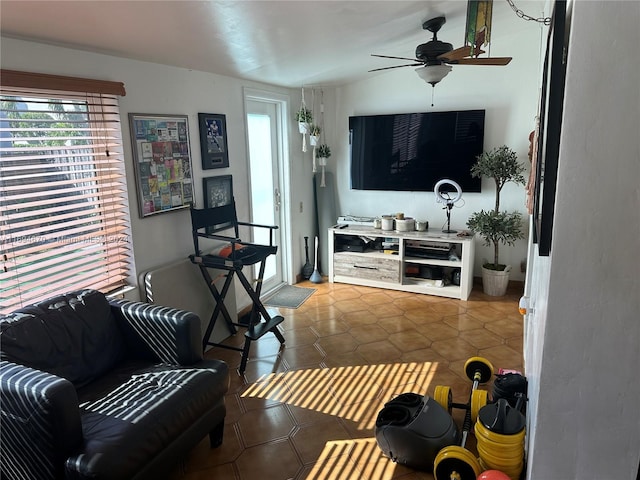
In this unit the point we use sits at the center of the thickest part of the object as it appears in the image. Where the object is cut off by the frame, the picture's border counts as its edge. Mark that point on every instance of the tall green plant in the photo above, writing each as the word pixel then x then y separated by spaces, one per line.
pixel 502 165
pixel 494 226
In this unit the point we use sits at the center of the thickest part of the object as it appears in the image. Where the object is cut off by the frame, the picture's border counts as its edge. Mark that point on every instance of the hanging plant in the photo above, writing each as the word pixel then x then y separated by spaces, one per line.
pixel 304 118
pixel 324 151
pixel 314 134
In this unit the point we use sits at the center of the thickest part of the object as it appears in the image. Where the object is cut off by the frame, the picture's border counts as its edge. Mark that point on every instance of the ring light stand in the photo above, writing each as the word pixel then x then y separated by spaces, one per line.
pixel 444 197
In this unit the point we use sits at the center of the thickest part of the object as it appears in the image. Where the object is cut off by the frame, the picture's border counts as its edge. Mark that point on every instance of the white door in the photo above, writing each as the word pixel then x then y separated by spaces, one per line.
pixel 266 161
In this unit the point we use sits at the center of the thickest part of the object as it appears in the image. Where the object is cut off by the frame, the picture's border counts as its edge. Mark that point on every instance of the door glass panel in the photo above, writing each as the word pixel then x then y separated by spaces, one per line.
pixel 263 210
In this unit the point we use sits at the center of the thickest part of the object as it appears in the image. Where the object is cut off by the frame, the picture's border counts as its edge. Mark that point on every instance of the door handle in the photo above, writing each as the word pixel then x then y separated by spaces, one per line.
pixel 277 197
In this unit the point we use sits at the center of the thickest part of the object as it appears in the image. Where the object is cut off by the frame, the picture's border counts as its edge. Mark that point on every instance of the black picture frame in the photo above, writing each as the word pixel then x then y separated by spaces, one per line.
pixel 162 162
pixel 218 191
pixel 213 140
pixel 552 103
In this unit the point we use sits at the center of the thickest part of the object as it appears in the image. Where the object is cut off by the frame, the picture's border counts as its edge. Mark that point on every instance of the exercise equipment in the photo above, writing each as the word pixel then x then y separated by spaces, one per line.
pixel 500 432
pixel 510 386
pixel 411 429
pixel 456 462
pixel 474 367
pixel 493 475
pixel 233 256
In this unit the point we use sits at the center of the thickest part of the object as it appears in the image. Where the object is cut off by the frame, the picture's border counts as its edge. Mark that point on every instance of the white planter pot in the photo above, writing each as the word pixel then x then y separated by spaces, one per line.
pixel 322 161
pixel 495 282
pixel 314 140
pixel 304 127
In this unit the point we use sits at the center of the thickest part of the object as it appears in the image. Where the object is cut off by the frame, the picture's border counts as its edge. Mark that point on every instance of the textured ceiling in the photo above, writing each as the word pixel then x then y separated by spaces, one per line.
pixel 286 43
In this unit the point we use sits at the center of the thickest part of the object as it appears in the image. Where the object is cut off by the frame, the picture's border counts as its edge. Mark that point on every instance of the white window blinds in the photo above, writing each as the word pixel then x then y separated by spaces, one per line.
pixel 64 214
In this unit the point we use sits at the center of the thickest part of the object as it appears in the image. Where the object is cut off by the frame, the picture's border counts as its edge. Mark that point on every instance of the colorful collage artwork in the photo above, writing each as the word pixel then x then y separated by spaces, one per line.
pixel 164 164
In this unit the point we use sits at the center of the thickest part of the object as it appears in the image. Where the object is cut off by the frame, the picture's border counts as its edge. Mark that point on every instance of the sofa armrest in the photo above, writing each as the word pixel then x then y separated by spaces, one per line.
pixel 40 422
pixel 174 336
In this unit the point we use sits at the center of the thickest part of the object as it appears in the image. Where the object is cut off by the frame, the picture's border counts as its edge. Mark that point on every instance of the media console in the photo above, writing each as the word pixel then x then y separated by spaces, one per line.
pixel 429 262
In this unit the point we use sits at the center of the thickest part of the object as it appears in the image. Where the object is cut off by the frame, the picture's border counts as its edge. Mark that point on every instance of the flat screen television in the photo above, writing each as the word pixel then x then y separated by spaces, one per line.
pixel 413 151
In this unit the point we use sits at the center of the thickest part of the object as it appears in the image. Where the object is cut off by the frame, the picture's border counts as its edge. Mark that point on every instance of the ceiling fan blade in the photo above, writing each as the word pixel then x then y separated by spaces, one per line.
pixel 397 58
pixel 499 61
pixel 398 66
pixel 456 54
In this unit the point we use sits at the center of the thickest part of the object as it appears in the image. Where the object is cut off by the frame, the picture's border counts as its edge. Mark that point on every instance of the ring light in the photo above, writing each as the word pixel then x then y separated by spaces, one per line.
pixel 441 198
pixel 444 197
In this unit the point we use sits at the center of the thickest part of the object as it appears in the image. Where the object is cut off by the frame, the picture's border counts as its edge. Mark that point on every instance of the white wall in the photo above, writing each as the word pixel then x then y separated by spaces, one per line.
pixel 509 95
pixel 152 88
pixel 583 355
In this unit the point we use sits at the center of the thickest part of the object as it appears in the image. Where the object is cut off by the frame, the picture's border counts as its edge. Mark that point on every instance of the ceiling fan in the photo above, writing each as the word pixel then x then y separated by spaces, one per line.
pixel 435 57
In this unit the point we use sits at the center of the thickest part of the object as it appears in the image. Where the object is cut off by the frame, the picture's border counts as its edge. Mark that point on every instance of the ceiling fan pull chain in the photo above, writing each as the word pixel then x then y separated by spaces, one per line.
pixel 524 16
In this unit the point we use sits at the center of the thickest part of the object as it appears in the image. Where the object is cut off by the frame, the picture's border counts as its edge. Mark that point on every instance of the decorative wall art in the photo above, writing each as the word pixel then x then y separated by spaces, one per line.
pixel 218 191
pixel 162 158
pixel 213 140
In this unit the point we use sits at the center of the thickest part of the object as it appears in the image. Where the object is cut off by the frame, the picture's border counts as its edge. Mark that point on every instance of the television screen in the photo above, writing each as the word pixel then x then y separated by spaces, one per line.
pixel 413 151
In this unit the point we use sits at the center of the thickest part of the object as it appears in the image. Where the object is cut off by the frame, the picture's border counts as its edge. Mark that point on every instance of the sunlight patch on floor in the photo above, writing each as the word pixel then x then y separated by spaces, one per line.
pixel 344 392
pixel 349 459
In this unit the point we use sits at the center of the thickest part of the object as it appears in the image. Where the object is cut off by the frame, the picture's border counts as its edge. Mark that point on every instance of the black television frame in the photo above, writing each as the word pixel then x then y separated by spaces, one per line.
pixel 456 136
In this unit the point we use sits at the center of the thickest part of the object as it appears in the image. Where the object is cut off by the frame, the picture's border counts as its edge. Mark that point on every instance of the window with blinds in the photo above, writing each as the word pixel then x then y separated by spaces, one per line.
pixel 64 214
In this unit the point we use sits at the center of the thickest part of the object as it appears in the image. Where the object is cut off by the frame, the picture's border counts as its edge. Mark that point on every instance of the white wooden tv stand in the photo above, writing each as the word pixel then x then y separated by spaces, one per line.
pixel 401 270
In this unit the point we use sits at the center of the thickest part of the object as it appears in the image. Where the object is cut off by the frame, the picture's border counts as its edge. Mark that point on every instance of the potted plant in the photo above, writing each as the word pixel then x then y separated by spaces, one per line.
pixel 323 153
pixel 304 116
pixel 494 226
pixel 314 134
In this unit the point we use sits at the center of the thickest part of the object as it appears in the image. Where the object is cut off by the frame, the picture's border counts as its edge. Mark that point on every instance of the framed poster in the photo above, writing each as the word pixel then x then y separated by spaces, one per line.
pixel 213 140
pixel 164 178
pixel 218 191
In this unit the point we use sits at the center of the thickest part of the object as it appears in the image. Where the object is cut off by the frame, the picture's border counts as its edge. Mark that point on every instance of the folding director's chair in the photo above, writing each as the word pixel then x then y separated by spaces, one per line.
pixel 233 256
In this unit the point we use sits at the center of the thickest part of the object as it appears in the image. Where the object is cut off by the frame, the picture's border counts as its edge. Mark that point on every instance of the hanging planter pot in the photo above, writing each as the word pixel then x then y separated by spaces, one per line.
pixel 314 135
pixel 323 153
pixel 304 127
pixel 304 118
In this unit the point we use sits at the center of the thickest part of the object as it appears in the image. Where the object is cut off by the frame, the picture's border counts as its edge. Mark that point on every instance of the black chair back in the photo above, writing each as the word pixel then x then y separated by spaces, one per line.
pixel 208 221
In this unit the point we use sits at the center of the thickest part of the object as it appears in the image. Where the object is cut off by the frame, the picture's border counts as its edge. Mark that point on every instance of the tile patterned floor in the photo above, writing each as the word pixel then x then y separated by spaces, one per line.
pixel 307 411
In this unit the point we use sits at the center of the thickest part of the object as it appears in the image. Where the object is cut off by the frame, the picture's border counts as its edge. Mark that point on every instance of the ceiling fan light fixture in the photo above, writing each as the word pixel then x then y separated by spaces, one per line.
pixel 433 73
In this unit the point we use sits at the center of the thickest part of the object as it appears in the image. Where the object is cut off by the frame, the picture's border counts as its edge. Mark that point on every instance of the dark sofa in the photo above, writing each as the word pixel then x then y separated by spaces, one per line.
pixel 93 388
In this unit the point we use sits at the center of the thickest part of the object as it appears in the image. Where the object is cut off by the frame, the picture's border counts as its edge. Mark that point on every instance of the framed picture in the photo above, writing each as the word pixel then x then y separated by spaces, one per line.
pixel 218 191
pixel 162 158
pixel 551 108
pixel 213 140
